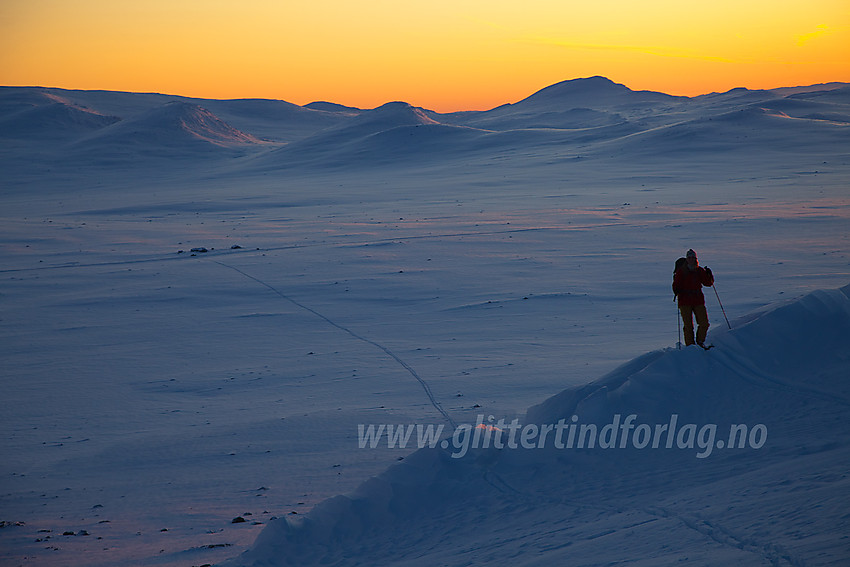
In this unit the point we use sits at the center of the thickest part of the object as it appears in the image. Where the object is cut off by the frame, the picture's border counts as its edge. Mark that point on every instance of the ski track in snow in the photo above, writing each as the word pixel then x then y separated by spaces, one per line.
pixel 376 344
pixel 744 369
pixel 372 242
pixel 770 552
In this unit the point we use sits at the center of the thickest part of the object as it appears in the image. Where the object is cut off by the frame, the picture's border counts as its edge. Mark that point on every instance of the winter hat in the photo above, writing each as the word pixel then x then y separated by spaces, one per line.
pixel 691 253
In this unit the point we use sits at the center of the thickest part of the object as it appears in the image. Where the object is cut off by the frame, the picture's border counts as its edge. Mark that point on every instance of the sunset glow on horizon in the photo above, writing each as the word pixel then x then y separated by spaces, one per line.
pixel 446 56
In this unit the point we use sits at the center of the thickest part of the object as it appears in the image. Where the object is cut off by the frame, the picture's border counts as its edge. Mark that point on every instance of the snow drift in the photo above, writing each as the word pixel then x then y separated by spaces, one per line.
pixel 766 497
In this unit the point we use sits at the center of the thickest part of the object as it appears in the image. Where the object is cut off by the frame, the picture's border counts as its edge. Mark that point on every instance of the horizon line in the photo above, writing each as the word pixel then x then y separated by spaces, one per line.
pixel 325 101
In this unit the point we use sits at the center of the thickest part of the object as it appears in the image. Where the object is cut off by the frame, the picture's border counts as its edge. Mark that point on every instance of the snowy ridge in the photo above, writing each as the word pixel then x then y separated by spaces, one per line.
pixel 753 128
pixel 590 117
pixel 375 137
pixel 175 125
pixel 784 370
pixel 44 115
pixel 595 91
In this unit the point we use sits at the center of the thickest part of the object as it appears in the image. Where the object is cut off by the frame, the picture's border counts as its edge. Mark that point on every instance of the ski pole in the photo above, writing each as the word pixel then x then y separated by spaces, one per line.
pixel 721 306
pixel 678 325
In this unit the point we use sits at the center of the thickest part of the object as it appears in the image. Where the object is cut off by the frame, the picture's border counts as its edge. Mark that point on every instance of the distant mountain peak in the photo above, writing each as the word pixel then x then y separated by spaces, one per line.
pixel 594 81
pixel 587 84
pixel 393 114
pixel 331 107
pixel 591 92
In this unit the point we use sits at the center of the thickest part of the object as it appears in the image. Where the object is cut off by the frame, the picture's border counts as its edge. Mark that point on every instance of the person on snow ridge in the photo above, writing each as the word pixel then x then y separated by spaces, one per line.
pixel 688 280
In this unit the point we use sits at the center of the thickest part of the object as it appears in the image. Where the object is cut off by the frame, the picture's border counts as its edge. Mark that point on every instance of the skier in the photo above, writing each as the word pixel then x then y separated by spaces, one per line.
pixel 688 280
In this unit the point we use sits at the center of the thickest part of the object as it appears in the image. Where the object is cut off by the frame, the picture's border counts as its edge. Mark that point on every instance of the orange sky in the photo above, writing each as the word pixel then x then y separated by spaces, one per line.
pixel 440 54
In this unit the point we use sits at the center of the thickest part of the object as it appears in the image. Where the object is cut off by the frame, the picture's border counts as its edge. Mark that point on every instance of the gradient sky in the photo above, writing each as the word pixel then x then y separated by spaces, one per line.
pixel 440 54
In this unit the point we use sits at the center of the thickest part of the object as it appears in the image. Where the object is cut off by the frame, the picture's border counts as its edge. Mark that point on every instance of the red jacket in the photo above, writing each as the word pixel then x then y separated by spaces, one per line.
pixel 687 284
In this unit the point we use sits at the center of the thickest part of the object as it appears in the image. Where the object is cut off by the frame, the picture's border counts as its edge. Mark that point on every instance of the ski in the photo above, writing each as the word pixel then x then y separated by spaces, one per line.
pixel 705 347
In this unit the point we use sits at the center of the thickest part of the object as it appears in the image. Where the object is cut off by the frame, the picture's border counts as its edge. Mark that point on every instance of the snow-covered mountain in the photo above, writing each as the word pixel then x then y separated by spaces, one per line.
pixel 375 138
pixel 41 116
pixel 579 103
pixel 580 117
pixel 596 92
pixel 175 127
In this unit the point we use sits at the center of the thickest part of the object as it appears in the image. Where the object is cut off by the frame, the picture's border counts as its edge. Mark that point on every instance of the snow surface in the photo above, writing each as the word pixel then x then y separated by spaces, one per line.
pixel 781 501
pixel 398 266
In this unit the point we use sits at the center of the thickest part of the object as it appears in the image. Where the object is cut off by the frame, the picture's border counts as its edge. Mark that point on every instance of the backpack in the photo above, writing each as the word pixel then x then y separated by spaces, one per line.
pixel 681 262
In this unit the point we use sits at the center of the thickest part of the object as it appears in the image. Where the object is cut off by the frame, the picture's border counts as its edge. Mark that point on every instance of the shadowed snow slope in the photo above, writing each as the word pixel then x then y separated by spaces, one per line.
pixel 737 455
pixel 375 137
pixel 175 126
pixel 42 116
pixel 275 120
pixel 578 103
pixel 595 92
pixel 752 130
